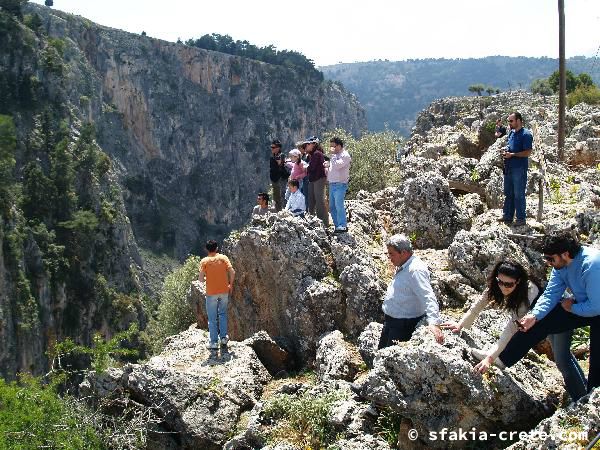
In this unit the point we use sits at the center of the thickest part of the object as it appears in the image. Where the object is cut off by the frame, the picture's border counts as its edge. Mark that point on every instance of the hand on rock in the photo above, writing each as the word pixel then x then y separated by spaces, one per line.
pixel 437 333
pixel 484 365
pixel 452 326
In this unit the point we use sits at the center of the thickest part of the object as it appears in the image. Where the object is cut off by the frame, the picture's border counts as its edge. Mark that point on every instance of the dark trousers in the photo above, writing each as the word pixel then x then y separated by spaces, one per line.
pixel 397 330
pixel 557 321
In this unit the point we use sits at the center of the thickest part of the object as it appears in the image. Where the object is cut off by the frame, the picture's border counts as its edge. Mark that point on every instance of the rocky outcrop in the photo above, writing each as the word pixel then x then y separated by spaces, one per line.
pixel 197 396
pixel 188 129
pixel 573 427
pixel 288 282
pixel 435 387
pixel 336 359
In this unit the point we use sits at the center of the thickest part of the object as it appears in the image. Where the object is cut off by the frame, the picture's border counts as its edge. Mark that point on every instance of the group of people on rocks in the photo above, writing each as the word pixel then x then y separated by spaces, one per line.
pixel 570 300
pixel 305 174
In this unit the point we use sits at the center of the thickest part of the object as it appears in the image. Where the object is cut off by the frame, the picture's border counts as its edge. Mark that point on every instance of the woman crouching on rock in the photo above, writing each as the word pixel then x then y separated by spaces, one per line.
pixel 510 288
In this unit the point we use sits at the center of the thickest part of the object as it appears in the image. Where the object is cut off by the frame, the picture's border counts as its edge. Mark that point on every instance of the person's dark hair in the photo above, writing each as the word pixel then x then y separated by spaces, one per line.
pixel 337 141
pixel 519 296
pixel 294 183
pixel 517 115
pixel 560 242
pixel 276 143
pixel 264 196
pixel 212 246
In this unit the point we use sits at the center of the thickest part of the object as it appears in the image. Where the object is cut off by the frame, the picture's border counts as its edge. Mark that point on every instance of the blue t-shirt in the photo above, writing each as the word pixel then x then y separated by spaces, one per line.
pixel 517 142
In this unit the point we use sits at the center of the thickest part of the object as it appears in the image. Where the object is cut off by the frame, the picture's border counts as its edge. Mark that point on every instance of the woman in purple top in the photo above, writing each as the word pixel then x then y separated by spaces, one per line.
pixel 317 178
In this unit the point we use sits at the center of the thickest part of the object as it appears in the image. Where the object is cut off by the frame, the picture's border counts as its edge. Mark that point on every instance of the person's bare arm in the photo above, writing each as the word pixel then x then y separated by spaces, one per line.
pixel 231 276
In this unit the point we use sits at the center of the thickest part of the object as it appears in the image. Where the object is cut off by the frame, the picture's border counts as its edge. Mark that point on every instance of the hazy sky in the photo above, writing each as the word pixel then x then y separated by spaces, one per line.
pixel 332 31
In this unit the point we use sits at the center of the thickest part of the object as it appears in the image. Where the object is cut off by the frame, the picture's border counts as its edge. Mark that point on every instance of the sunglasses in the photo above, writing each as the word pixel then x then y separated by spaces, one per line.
pixel 549 258
pixel 507 284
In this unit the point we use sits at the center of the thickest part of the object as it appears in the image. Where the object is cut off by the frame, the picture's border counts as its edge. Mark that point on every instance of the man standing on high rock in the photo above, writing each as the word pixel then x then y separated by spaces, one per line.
pixel 520 144
pixel 577 269
pixel 278 174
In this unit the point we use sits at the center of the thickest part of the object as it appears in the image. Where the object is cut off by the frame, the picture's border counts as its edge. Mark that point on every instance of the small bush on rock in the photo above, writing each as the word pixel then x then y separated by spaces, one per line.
pixel 175 313
pixel 302 419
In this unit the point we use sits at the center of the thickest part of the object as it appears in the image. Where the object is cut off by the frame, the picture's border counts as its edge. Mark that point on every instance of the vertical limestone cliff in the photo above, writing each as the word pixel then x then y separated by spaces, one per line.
pixel 188 129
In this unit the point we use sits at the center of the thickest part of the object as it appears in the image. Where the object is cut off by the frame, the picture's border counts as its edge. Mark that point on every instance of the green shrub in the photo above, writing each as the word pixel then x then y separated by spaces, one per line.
pixel 388 426
pixel 101 352
pixel 373 159
pixel 584 94
pixel 33 416
pixel 302 419
pixel 8 145
pixel 175 313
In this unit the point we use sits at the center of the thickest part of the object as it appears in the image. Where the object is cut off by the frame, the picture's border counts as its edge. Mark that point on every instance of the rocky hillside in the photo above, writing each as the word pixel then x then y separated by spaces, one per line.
pixel 305 299
pixel 110 140
pixel 394 92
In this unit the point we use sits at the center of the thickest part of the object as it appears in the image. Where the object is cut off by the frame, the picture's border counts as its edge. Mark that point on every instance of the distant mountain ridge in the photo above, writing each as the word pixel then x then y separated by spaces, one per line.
pixel 393 92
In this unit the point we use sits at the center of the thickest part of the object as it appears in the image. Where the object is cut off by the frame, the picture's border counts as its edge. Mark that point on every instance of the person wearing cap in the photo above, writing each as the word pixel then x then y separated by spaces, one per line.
pixel 338 175
pixel 278 174
pixel 409 296
pixel 317 178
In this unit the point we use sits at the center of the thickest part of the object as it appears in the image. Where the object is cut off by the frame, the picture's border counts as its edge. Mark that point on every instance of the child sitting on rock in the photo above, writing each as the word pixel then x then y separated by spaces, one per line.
pixel 296 203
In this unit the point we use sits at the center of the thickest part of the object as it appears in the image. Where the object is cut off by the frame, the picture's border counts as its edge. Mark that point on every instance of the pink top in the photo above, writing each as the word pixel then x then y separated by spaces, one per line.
pixel 298 171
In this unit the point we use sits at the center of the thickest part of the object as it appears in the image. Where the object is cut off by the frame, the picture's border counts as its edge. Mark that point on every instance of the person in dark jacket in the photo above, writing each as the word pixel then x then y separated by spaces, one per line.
pixel 278 174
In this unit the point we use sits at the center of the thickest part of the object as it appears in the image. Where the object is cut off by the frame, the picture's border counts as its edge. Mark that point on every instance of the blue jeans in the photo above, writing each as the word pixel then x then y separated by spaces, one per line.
pixel 216 310
pixel 515 184
pixel 557 321
pixel 567 364
pixel 337 193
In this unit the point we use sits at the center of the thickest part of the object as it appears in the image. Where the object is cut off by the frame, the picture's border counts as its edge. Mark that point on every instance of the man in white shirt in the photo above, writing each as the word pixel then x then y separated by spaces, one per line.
pixel 296 203
pixel 409 296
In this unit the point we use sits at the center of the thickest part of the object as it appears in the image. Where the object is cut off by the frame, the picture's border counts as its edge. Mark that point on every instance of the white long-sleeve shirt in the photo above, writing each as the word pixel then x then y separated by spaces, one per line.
pixel 296 203
pixel 410 295
pixel 510 328
pixel 339 167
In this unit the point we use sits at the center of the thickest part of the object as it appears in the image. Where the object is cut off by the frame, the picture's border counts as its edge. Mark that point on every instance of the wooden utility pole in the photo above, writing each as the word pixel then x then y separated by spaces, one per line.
pixel 562 77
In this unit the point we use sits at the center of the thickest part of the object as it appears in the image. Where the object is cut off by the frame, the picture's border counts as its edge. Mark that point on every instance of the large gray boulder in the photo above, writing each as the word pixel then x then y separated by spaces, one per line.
pixel 198 396
pixel 429 212
pixel 337 359
pixel 435 387
pixel 573 427
pixel 474 253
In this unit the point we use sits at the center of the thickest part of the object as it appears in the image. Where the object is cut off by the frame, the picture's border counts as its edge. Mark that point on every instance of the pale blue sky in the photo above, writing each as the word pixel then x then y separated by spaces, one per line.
pixel 347 31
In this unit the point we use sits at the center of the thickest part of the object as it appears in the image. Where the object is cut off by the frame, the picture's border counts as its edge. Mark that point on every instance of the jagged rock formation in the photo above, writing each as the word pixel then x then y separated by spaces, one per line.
pixel 435 386
pixel 572 427
pixel 197 397
pixel 188 129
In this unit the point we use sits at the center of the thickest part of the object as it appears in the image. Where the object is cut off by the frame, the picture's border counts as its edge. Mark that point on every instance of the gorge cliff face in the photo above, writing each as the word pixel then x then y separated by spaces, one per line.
pixel 188 129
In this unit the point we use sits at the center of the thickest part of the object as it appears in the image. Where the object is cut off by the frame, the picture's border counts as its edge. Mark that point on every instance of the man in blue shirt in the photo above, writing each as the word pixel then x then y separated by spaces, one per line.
pixel 574 267
pixel 409 296
pixel 520 144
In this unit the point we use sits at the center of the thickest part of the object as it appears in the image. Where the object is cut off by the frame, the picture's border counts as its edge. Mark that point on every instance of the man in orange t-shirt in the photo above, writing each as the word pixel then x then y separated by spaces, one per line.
pixel 219 275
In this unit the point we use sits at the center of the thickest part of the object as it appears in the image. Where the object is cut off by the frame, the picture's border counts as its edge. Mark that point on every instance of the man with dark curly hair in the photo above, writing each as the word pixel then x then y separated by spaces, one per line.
pixel 576 268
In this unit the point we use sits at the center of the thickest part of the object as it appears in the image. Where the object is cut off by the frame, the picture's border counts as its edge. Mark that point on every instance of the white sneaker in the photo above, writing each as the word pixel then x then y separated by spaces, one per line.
pixel 212 346
pixel 224 340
